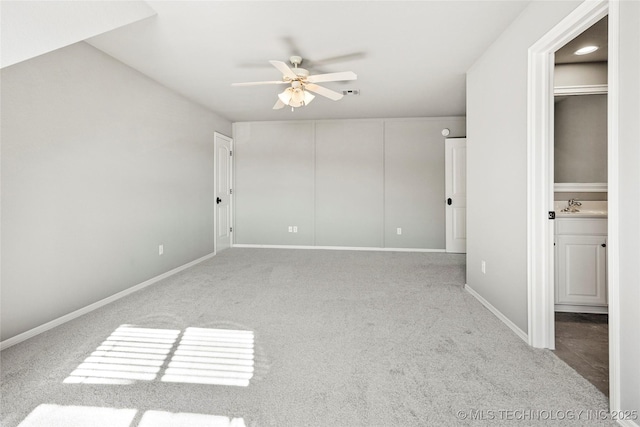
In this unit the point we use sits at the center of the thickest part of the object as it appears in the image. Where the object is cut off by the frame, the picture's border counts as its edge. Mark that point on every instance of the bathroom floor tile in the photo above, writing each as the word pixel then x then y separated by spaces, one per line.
pixel 582 342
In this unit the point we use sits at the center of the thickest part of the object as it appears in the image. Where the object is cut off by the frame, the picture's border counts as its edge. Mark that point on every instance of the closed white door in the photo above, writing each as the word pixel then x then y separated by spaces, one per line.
pixel 456 194
pixel 223 194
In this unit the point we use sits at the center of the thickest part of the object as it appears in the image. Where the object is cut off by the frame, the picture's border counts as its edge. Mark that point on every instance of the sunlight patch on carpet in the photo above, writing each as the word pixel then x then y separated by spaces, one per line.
pixel 51 415
pixel 186 419
pixel 78 416
pixel 195 356
pixel 212 356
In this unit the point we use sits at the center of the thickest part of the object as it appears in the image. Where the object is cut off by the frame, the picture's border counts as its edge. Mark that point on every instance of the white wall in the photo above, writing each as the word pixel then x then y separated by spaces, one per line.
pixel 274 182
pixel 100 165
pixel 497 162
pixel 579 120
pixel 349 183
pixel 580 138
pixel 342 182
pixel 580 74
pixel 32 28
pixel 629 205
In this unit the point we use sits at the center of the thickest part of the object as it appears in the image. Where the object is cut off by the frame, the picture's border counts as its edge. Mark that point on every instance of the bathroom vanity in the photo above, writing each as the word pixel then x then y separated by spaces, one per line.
pixel 581 258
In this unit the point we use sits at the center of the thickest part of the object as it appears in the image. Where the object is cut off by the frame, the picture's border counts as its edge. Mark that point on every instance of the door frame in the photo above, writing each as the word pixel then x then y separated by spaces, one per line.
pixel 540 145
pixel 216 136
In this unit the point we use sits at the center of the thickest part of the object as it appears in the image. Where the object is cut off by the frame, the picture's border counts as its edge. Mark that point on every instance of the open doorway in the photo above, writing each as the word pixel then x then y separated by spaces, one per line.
pixel 580 204
pixel 540 194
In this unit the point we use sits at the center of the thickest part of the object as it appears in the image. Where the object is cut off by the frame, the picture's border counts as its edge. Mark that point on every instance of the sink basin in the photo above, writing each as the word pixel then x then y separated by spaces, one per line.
pixel 589 209
pixel 582 213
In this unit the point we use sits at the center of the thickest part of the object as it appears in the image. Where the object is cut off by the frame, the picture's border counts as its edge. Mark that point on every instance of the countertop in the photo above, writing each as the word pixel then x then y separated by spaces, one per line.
pixel 589 209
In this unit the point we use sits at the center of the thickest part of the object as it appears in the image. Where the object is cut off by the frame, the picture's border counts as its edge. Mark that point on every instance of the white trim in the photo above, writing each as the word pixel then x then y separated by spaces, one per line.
pixel 540 277
pixel 383 206
pixel 613 197
pixel 574 308
pixel 539 231
pixel 540 273
pixel 581 90
pixel 368 119
pixel 315 180
pixel 91 307
pixel 232 196
pixel 519 332
pixel 336 248
pixel 627 423
pixel 419 119
pixel 217 135
pixel 580 187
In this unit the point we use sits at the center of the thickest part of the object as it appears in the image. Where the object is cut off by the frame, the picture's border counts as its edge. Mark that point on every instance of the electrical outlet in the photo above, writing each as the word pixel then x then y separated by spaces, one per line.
pixel 290 229
pixel 160 249
pixel 295 228
pixel 483 267
pixel 399 231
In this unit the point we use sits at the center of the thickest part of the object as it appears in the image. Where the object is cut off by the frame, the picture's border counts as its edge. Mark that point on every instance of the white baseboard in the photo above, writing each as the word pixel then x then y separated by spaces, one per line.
pixel 573 308
pixel 336 248
pixel 519 332
pixel 67 317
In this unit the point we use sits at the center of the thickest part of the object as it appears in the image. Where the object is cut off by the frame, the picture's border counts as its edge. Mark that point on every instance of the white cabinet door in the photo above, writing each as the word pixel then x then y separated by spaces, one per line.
pixel 581 265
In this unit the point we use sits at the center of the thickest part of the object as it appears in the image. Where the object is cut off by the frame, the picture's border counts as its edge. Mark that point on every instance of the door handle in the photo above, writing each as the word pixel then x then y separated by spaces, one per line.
pixel 449 201
pixel 604 245
pixel 218 200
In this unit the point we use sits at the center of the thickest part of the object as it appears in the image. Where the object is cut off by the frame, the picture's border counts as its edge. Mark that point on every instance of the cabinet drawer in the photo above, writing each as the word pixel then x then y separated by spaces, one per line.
pixel 581 226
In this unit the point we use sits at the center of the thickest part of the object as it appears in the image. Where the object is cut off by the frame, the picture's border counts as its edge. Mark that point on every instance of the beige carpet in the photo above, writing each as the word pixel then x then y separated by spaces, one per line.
pixel 262 337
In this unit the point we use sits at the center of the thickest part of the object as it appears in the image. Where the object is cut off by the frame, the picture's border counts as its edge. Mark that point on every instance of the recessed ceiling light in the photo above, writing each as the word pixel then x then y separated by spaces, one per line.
pixel 585 50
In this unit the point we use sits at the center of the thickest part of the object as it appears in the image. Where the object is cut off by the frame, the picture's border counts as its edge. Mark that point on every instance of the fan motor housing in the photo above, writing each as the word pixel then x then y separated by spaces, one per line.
pixel 301 72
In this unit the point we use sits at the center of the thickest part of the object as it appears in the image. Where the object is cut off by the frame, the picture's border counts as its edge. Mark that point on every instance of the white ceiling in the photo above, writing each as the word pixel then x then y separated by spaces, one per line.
pixel 410 57
pixel 32 28
pixel 596 35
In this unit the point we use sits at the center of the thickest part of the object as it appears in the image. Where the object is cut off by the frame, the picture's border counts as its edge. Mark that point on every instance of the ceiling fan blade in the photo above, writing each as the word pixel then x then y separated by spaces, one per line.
pixel 332 77
pixel 294 49
pixel 256 64
pixel 334 59
pixel 323 91
pixel 273 82
pixel 278 105
pixel 284 69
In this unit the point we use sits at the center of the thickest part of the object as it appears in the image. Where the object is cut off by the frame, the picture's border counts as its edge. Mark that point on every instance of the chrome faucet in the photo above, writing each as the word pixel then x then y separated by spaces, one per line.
pixel 573 206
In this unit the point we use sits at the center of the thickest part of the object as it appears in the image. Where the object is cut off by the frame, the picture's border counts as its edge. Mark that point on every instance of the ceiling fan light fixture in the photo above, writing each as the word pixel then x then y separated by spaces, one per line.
pixel 300 83
pixel 297 98
pixel 286 95
pixel 308 97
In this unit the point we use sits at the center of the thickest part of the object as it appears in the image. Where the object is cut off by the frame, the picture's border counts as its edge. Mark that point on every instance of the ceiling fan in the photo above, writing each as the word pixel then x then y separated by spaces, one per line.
pixel 301 84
